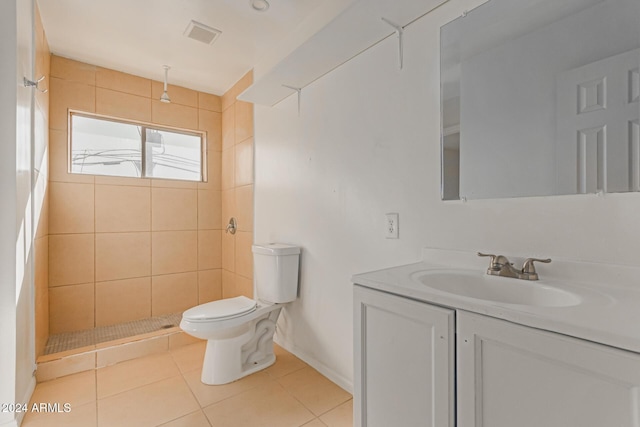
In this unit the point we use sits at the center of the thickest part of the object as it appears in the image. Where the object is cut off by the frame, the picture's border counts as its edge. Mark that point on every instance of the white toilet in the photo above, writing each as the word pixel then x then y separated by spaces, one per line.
pixel 239 331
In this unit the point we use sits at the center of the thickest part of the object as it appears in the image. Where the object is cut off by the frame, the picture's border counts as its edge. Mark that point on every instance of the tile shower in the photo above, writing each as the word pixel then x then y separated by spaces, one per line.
pixel 127 255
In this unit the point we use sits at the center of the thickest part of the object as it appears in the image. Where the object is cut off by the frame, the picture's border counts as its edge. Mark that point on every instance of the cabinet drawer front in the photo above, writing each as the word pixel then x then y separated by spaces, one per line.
pixel 512 375
pixel 404 356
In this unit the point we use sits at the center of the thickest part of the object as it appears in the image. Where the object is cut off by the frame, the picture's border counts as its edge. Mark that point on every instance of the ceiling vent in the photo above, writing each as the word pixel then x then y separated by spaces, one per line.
pixel 203 33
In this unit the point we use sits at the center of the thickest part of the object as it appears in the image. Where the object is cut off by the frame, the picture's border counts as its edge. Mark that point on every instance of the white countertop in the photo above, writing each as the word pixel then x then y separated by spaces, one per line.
pixel 609 312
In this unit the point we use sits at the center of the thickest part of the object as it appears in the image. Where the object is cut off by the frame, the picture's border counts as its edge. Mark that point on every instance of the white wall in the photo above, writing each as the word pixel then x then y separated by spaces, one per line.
pixel 8 101
pixel 25 313
pixel 17 351
pixel 366 143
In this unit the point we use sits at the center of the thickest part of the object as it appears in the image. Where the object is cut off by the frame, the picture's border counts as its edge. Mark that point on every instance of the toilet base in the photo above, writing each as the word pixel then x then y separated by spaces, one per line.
pixel 229 359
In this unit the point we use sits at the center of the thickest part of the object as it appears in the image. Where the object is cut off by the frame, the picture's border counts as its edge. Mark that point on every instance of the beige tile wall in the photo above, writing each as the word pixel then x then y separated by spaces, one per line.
pixel 237 191
pixel 122 249
pixel 41 193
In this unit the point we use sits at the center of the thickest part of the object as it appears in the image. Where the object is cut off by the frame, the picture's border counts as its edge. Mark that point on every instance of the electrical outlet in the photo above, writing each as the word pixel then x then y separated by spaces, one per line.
pixel 391 226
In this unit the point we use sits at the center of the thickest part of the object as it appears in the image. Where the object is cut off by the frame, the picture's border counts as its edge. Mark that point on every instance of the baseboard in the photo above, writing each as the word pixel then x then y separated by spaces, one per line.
pixel 340 380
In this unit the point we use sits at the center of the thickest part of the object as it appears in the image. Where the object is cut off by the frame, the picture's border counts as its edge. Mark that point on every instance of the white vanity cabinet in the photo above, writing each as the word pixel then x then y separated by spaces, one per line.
pixel 404 362
pixel 505 374
pixel 512 375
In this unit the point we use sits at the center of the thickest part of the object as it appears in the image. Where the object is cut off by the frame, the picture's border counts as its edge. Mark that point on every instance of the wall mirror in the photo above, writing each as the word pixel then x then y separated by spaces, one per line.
pixel 541 97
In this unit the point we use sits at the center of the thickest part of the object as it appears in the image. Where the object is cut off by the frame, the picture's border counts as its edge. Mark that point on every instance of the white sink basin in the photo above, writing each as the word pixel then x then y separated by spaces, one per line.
pixel 478 285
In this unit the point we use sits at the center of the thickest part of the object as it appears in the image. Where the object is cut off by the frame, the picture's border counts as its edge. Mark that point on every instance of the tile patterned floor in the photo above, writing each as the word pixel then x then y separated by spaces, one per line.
pixel 165 390
pixel 71 340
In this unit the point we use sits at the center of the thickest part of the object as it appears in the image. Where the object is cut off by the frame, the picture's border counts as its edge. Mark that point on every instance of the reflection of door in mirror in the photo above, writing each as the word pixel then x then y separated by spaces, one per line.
pixel 451 166
pixel 451 148
pixel 597 126
pixel 546 96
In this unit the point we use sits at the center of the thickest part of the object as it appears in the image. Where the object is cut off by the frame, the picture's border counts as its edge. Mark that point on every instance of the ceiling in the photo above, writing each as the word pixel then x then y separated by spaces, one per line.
pixel 140 36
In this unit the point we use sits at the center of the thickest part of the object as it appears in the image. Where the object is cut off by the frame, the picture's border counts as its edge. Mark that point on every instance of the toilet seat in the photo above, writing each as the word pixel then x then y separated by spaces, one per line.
pixel 224 309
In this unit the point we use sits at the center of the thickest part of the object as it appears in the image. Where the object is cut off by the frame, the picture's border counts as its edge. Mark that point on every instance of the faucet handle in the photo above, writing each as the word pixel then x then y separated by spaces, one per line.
pixel 496 262
pixel 530 270
pixel 232 226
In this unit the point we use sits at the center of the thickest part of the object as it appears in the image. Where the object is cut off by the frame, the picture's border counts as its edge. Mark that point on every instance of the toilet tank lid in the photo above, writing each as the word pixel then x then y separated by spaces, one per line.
pixel 221 309
pixel 275 249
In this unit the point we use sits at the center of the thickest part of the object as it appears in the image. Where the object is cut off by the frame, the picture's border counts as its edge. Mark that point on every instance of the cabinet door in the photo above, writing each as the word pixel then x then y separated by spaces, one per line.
pixel 511 375
pixel 404 358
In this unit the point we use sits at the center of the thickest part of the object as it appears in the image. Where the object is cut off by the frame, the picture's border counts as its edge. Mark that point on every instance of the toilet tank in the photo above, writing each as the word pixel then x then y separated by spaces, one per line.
pixel 275 269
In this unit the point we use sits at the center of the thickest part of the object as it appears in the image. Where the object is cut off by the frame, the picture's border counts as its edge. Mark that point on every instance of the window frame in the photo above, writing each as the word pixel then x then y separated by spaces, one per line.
pixel 143 140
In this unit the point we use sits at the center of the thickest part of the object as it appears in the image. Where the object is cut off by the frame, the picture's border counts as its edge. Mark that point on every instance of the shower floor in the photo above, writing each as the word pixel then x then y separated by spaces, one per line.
pixel 71 340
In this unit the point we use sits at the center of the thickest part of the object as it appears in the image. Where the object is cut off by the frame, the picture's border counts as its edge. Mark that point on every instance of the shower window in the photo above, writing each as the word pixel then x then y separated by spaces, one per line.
pixel 106 146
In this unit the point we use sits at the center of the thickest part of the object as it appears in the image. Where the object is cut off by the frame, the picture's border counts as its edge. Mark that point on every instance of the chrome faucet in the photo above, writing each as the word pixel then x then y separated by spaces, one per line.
pixel 499 265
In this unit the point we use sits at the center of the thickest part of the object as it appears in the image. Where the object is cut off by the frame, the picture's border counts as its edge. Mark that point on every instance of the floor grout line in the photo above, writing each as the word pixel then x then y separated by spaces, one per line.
pixel 230 396
pixel 302 403
pixel 139 386
pixel 186 415
pixel 191 390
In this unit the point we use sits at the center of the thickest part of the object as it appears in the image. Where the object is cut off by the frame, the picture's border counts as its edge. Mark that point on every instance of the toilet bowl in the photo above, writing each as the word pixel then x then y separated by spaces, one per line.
pixel 239 331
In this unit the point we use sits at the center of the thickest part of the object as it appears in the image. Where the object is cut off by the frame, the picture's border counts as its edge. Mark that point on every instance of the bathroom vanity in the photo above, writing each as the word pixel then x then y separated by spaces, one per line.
pixel 440 346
